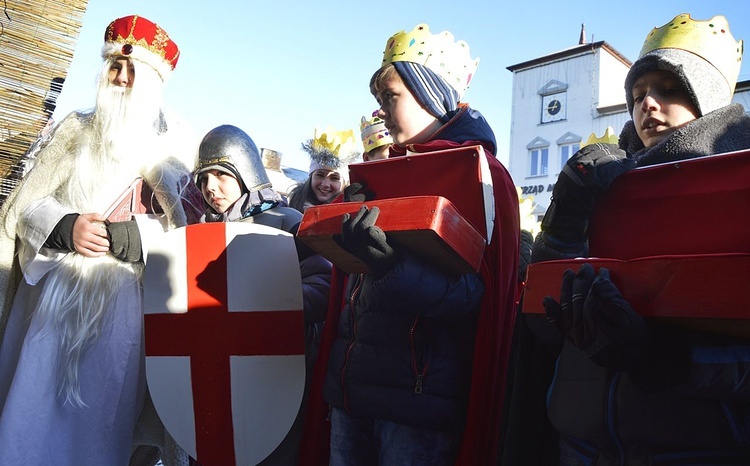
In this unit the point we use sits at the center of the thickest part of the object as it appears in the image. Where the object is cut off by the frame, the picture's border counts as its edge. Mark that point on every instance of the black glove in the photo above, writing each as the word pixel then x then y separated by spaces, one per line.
pixel 526 242
pixel 61 236
pixel 597 319
pixel 361 237
pixel 547 247
pixel 357 192
pixel 125 240
pixel 583 178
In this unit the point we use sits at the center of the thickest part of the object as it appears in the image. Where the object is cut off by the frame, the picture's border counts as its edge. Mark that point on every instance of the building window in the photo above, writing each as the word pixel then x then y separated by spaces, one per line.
pixel 567 151
pixel 538 161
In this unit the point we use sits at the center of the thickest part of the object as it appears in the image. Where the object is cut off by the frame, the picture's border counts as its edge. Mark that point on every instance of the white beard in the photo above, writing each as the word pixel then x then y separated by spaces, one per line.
pixel 123 143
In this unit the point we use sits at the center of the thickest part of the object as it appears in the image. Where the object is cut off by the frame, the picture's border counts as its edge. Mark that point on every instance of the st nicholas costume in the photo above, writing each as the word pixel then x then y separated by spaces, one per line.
pixel 85 412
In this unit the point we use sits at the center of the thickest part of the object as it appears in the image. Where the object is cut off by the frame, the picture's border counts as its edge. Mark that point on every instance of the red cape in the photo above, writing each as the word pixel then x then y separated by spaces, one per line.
pixel 499 272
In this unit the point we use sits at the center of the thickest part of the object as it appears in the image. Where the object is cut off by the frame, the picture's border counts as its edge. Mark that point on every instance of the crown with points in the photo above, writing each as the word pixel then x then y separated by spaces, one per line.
pixel 609 137
pixel 439 52
pixel 710 40
pixel 374 133
pixel 331 150
pixel 140 39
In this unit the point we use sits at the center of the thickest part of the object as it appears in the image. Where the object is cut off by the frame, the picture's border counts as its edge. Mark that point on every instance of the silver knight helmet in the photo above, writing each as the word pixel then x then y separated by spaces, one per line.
pixel 229 149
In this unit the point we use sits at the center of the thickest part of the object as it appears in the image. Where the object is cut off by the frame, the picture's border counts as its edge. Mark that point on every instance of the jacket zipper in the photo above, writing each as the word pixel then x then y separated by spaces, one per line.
pixel 350 347
pixel 419 384
pixel 610 416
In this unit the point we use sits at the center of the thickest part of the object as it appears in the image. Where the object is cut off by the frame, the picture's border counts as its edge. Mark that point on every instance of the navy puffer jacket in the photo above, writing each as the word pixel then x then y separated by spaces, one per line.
pixel 405 346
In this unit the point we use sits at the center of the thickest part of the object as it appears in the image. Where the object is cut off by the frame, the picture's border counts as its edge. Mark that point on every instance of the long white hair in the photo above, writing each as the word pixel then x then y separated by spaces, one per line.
pixel 122 143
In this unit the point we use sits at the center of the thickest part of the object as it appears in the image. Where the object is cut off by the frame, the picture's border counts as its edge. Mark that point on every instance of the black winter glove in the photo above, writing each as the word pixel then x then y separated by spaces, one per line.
pixel 357 192
pixel 548 248
pixel 361 237
pixel 125 240
pixel 525 244
pixel 583 178
pixel 62 235
pixel 597 319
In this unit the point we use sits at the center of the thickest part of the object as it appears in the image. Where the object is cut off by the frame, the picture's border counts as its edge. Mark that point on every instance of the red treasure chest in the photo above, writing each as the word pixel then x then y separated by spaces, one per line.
pixel 676 241
pixel 446 219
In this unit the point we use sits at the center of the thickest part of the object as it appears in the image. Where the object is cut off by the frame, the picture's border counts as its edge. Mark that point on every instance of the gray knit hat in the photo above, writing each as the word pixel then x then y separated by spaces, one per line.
pixel 706 87
pixel 703 55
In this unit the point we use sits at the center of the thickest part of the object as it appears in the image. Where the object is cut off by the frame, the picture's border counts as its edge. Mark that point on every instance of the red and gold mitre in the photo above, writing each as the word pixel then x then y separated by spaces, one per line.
pixel 138 38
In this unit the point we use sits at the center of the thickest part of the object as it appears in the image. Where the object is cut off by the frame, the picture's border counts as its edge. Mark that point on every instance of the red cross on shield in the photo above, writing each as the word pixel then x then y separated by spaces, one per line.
pixel 224 338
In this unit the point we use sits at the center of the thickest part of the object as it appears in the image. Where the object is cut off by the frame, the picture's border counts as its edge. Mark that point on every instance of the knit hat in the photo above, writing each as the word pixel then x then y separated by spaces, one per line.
pixel 332 150
pixel 374 133
pixel 137 38
pixel 429 89
pixel 703 55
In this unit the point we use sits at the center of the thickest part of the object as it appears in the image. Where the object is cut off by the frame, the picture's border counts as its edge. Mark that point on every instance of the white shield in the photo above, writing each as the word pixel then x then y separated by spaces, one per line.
pixel 225 338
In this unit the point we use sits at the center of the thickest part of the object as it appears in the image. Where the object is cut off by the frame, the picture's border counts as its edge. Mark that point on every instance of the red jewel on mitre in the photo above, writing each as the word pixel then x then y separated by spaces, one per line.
pixel 137 30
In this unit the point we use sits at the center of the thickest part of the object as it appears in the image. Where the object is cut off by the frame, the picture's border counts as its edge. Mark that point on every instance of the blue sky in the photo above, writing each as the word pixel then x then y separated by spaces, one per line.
pixel 280 70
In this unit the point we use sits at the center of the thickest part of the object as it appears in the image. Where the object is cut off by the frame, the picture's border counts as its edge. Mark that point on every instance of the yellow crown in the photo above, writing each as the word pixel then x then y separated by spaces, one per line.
pixel 336 142
pixel 331 149
pixel 710 40
pixel 439 52
pixel 609 137
pixel 374 133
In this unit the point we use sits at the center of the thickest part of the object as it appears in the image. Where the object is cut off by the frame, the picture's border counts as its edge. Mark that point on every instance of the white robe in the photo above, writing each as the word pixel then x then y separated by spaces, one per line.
pixel 36 426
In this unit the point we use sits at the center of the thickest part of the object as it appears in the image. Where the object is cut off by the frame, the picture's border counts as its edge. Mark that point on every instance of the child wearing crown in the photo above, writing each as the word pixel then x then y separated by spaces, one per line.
pixel 416 372
pixel 331 152
pixel 628 391
pixel 375 138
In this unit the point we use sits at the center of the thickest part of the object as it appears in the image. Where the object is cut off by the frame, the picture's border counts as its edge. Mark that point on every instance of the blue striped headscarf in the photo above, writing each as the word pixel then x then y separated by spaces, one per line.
pixel 430 90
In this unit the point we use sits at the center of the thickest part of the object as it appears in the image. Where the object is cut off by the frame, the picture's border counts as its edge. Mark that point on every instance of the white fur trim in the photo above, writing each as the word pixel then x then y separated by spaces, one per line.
pixel 141 54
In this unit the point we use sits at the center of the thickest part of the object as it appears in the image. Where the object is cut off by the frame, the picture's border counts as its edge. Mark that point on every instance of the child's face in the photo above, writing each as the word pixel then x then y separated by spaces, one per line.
pixel 220 190
pixel 661 104
pixel 404 117
pixel 378 153
pixel 122 73
pixel 325 185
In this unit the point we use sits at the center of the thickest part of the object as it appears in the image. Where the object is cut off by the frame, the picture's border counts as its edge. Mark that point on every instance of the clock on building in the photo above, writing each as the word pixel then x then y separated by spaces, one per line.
pixel 553 107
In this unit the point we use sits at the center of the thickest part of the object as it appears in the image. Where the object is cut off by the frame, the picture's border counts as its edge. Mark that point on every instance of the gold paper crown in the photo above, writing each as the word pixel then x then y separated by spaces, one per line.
pixel 710 40
pixel 439 52
pixel 374 133
pixel 331 149
pixel 609 137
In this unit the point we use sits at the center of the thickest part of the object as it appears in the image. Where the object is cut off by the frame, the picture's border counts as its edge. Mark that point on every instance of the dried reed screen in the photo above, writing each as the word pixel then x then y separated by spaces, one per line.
pixel 37 41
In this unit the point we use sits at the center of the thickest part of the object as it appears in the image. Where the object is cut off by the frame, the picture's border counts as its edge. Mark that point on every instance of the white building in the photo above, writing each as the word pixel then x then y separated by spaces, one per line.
pixel 559 100
pixel 283 179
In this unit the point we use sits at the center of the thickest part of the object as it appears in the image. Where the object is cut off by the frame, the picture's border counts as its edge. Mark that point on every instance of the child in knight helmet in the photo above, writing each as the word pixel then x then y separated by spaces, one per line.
pixel 676 395
pixel 235 186
pixel 408 387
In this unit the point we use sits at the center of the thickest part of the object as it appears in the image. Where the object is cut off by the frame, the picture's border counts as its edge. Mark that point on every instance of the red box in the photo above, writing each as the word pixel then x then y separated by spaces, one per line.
pixel 695 206
pixel 675 239
pixel 135 199
pixel 460 175
pixel 428 226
